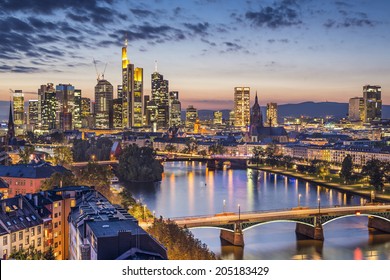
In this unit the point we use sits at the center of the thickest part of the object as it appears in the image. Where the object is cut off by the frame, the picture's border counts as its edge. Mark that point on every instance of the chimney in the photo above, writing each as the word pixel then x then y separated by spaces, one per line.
pixel 20 201
pixel 36 200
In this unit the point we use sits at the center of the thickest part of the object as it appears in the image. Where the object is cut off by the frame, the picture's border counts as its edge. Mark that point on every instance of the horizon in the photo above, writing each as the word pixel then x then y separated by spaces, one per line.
pixel 288 51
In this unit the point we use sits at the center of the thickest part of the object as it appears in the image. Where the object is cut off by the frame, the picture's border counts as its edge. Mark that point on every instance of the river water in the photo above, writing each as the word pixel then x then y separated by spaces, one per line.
pixel 190 189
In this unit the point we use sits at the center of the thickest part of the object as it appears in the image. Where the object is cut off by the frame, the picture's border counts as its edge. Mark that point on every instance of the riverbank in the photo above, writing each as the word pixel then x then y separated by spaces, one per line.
pixel 356 189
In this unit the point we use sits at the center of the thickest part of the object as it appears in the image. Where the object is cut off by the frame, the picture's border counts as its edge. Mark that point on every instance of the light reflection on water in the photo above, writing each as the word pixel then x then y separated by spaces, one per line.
pixel 190 189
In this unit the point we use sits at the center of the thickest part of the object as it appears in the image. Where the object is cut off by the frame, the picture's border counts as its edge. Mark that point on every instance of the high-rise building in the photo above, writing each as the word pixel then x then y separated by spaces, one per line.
pixel 18 99
pixel 145 104
pixel 104 92
pixel 272 114
pixel 65 100
pixel 151 114
pixel 160 89
pixel 117 113
pixel 356 109
pixel 372 103
pixel 86 116
pixel 119 91
pixel 48 106
pixel 241 106
pixel 191 117
pixel 132 92
pixel 174 109
pixel 76 114
pixel 232 118
pixel 32 112
pixel 217 118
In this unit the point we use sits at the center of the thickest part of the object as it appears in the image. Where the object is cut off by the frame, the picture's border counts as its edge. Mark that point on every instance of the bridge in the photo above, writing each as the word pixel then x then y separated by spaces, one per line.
pixel 309 221
pixel 101 162
pixel 212 162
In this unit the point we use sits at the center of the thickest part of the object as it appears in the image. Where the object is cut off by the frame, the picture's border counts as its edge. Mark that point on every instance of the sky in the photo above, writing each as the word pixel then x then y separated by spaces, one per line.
pixel 288 51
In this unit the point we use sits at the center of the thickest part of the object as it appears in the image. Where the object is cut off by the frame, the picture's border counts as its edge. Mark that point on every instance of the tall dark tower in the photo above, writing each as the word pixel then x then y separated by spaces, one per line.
pixel 11 127
pixel 256 116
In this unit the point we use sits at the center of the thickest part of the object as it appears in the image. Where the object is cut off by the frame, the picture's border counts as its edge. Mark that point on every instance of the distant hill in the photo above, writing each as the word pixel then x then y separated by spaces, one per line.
pixel 311 109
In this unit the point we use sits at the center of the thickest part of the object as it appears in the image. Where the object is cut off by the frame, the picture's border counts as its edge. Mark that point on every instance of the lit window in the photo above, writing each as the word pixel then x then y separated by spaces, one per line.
pixel 20 235
pixel 5 240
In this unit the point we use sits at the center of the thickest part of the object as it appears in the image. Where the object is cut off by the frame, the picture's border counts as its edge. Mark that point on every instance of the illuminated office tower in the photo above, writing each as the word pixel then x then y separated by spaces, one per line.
pixel 217 117
pixel 65 101
pixel 48 106
pixel 356 109
pixel 372 103
pixel 174 109
pixel 145 116
pixel 18 100
pixel 117 113
pixel 272 114
pixel 151 114
pixel 76 114
pixel 85 107
pixel 132 92
pixel 104 92
pixel 32 117
pixel 137 99
pixel 119 91
pixel 160 88
pixel 232 118
pixel 191 117
pixel 241 106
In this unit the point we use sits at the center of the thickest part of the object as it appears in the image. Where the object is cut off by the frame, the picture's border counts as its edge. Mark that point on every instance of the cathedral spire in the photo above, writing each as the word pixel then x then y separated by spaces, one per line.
pixel 11 126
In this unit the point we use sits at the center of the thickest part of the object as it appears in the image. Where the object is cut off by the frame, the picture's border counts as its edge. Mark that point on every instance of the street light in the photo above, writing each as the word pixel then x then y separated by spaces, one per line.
pixel 224 205
pixel 299 200
pixel 239 213
pixel 319 206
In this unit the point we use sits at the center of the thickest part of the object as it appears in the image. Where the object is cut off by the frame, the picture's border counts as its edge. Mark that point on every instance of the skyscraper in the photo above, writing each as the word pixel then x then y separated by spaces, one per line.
pixel 241 106
pixel 174 109
pixel 132 92
pixel 117 122
pixel 48 106
pixel 85 112
pixel 272 114
pixel 76 114
pixel 32 112
pixel 104 92
pixel 356 109
pixel 372 103
pixel 65 100
pixel 18 99
pixel 191 117
pixel 160 89
pixel 217 120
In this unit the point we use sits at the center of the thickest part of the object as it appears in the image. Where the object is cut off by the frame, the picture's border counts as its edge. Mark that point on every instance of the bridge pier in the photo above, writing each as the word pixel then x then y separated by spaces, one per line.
pixel 235 238
pixel 314 232
pixel 379 224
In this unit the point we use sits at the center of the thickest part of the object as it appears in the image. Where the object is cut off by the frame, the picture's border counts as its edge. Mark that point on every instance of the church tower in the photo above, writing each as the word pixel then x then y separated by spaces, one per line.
pixel 256 120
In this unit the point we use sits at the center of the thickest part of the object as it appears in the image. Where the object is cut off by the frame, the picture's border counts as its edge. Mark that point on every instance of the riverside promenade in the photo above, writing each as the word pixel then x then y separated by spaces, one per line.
pixel 353 189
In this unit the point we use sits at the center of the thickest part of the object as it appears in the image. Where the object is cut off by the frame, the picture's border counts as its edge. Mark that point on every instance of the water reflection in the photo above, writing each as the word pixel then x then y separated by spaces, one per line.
pixel 189 189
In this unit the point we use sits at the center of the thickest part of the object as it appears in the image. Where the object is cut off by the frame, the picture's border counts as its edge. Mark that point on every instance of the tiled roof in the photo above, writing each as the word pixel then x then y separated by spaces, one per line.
pixel 30 170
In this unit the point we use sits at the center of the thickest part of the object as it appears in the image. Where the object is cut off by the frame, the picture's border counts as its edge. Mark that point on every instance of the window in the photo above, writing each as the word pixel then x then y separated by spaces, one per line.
pixel 55 234
pixel 13 237
pixel 55 225
pixel 39 242
pixel 56 205
pixel 32 231
pixel 39 230
pixel 5 240
pixel 33 243
pixel 20 247
pixel 27 240
pixel 56 245
pixel 5 252
pixel 55 215
pixel 20 235
pixel 13 249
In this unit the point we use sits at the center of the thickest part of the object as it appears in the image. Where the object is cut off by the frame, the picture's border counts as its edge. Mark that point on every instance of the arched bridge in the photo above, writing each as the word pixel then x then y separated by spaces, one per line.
pixel 309 221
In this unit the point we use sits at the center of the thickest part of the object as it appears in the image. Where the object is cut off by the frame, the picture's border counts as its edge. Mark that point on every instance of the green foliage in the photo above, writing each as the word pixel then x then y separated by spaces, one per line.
pixel 258 155
pixel 49 255
pixel 84 150
pixel 58 179
pixel 62 155
pixel 57 137
pixel 25 154
pixel 217 149
pixel 376 171
pixel 170 148
pixel 30 254
pixel 346 169
pixel 139 164
pixel 180 243
pixel 96 175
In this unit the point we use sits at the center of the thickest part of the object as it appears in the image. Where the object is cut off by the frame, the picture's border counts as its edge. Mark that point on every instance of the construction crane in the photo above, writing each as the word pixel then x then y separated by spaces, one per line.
pixel 98 75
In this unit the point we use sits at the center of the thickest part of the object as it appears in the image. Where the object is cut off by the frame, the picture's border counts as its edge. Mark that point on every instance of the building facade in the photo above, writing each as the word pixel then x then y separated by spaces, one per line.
pixel 372 96
pixel 272 114
pixel 104 92
pixel 241 106
pixel 356 109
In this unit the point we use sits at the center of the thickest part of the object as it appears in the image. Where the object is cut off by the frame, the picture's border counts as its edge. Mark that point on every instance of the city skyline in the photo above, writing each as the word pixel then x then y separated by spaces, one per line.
pixel 272 47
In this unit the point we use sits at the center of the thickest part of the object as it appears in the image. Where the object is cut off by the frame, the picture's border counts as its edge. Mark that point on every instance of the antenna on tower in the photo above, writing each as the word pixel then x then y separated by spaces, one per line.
pixel 97 73
pixel 155 66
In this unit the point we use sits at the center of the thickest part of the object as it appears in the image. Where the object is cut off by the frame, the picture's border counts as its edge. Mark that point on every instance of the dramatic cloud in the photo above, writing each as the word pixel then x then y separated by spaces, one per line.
pixel 232 47
pixel 281 14
pixel 198 29
pixel 142 13
pixel 18 69
pixel 350 22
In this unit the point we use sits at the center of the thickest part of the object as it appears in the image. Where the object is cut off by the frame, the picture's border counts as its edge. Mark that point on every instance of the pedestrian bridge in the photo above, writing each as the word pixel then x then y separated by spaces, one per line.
pixel 309 221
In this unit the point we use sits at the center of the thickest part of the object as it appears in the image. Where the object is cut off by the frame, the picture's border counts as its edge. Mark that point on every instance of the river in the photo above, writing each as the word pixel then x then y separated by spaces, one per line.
pixel 190 189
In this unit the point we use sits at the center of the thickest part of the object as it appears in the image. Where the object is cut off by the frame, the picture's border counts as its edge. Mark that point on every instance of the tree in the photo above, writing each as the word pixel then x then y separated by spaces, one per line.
pixel 217 149
pixel 375 171
pixel 57 137
pixel 58 179
pixel 49 254
pixel 139 164
pixel 30 254
pixel 170 148
pixel 25 154
pixel 62 155
pixel 79 150
pixel 346 169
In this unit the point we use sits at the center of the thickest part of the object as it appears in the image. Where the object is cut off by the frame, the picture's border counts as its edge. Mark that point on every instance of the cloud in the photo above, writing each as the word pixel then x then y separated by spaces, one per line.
pixel 280 14
pixel 198 29
pixel 18 69
pixel 232 47
pixel 350 22
pixel 284 41
pixel 141 13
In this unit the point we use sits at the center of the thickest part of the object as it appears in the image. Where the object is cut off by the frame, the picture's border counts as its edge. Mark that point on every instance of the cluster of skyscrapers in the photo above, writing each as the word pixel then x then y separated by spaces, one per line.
pixel 63 107
pixel 368 108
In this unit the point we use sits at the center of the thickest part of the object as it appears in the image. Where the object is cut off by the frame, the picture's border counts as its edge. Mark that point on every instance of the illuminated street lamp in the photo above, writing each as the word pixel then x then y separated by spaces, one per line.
pixel 239 213
pixel 224 205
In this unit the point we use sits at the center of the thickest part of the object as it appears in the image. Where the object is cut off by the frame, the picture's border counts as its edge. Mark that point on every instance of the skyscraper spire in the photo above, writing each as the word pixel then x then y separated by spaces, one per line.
pixel 125 61
pixel 11 126
pixel 155 66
